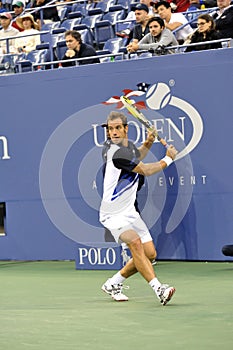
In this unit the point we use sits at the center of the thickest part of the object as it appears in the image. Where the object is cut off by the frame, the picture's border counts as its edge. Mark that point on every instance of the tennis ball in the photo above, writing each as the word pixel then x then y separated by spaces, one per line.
pixel 158 96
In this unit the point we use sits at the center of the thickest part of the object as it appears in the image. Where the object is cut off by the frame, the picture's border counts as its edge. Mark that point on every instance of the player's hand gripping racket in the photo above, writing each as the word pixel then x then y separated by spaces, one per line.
pixel 140 116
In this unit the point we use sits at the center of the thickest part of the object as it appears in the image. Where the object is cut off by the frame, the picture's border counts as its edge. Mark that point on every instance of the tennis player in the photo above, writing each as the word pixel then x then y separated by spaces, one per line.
pixel 123 168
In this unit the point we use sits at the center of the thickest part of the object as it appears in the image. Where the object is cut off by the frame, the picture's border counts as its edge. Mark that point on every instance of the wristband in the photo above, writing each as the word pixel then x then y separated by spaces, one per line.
pixel 167 160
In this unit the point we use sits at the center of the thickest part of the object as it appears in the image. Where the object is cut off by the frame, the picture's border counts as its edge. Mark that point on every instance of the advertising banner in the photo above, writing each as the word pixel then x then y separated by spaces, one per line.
pixel 51 157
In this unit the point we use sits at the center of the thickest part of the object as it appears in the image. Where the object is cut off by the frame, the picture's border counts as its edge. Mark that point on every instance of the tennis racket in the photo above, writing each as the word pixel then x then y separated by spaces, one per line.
pixel 140 116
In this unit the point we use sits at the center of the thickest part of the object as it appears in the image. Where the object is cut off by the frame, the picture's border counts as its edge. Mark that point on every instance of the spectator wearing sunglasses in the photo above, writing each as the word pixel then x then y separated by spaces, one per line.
pixel 205 32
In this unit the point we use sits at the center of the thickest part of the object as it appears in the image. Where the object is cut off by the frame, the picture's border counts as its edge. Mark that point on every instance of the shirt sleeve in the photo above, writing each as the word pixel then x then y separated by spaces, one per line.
pixel 136 33
pixel 145 40
pixel 178 17
pixel 126 159
pixel 165 40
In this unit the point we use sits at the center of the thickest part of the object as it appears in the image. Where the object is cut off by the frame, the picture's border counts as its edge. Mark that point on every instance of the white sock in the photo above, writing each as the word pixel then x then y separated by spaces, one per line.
pixel 117 278
pixel 155 284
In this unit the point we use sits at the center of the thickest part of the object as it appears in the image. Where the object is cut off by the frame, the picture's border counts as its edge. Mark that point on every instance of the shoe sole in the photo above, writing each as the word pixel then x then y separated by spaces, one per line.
pixel 170 295
pixel 119 300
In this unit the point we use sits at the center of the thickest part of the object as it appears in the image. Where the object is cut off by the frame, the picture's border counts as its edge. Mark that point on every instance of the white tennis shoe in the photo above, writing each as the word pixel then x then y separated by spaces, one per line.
pixel 115 290
pixel 165 293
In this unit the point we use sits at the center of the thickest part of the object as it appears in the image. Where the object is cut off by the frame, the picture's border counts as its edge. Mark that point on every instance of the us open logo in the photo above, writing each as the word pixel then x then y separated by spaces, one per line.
pixel 70 170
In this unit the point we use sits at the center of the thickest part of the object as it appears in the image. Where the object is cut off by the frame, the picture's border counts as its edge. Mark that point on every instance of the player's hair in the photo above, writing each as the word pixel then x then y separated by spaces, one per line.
pixel 114 115
pixel 159 20
pixel 76 35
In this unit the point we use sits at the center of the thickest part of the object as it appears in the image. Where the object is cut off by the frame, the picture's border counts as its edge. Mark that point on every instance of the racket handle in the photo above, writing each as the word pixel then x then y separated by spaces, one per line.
pixel 164 143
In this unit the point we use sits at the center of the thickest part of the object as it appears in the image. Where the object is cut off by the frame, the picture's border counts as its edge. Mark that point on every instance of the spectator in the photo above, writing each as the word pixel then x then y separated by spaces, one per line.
pixel 131 14
pixel 179 5
pixel 6 31
pixel 77 49
pixel 6 5
pixel 158 38
pixel 194 5
pixel 224 18
pixel 184 5
pixel 2 8
pixel 18 8
pixel 205 32
pixel 173 20
pixel 141 28
pixel 27 43
pixel 50 14
pixel 141 15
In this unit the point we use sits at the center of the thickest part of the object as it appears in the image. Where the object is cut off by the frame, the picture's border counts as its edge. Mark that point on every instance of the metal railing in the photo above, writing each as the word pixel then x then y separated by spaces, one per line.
pixel 9 38
pixel 178 49
pixel 54 64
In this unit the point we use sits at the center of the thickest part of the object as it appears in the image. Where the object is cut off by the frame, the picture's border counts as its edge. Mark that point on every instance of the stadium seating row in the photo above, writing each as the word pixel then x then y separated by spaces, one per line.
pixel 97 27
pixel 97 24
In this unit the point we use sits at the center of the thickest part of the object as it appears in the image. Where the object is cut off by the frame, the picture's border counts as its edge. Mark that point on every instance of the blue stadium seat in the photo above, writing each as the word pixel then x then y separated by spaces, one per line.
pixel 10 62
pixel 119 26
pixel 193 16
pixel 111 2
pixel 91 20
pixel 90 6
pixel 94 12
pixel 86 33
pixel 40 55
pixel 79 7
pixel 48 27
pixel 116 7
pixel 56 35
pixel 114 45
pixel 104 5
pixel 103 31
pixel 69 24
pixel 75 14
pixel 145 55
pixel 108 58
pixel 115 14
pixel 132 5
pixel 63 12
pixel 124 3
pixel 51 25
pixel 103 59
pixel 60 49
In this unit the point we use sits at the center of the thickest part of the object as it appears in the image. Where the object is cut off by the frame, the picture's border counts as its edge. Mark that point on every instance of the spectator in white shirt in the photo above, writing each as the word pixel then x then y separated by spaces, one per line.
pixel 6 31
pixel 173 20
pixel 27 43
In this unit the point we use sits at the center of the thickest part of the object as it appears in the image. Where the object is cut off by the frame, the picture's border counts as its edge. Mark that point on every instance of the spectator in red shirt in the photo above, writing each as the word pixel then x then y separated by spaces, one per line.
pixel 18 8
pixel 180 5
